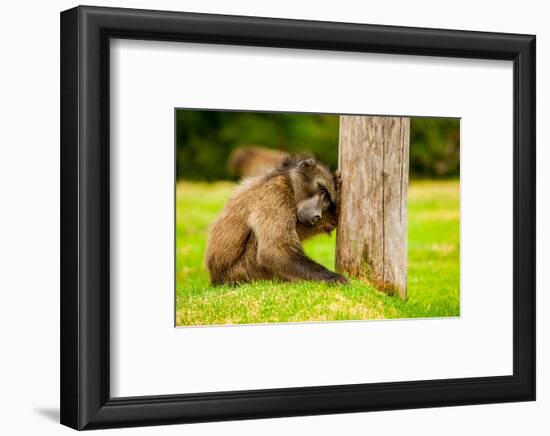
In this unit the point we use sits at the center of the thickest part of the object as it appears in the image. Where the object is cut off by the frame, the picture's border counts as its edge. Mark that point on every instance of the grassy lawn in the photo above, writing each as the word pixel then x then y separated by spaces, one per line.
pixel 433 277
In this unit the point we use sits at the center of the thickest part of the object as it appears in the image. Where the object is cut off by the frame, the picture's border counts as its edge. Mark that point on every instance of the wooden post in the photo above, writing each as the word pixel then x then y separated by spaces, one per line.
pixel 372 229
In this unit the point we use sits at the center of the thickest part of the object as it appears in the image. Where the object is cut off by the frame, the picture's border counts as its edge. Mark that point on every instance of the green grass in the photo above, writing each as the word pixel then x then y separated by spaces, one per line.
pixel 433 275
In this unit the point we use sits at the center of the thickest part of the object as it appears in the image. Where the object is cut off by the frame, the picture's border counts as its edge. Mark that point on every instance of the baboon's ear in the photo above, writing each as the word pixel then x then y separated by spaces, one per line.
pixel 286 162
pixel 306 163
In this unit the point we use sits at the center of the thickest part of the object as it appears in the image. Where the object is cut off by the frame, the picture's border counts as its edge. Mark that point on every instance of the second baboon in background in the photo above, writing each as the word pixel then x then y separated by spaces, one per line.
pixel 252 160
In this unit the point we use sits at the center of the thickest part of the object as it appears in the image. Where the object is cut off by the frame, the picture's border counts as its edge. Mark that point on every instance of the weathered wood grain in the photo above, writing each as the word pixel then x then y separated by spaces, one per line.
pixel 372 227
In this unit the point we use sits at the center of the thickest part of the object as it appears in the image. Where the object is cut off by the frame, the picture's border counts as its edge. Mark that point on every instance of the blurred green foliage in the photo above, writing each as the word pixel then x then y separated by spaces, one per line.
pixel 435 147
pixel 204 140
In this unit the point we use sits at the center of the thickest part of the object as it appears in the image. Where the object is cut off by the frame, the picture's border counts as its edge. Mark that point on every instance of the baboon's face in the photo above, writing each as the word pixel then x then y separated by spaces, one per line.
pixel 316 178
pixel 318 192
pixel 312 209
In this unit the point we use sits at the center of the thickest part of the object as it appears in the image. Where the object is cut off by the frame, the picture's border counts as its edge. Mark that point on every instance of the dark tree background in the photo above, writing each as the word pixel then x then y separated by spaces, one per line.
pixel 204 140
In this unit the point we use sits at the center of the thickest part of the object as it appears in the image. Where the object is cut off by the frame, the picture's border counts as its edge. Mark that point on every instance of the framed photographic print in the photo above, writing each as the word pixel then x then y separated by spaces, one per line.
pixel 265 217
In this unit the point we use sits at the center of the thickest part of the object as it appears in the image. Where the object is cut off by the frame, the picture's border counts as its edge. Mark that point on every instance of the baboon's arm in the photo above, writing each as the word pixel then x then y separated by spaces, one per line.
pixel 279 248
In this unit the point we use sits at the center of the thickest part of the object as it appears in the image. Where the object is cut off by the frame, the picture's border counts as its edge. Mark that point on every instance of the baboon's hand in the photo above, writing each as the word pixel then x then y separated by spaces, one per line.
pixel 337 278
pixel 338 186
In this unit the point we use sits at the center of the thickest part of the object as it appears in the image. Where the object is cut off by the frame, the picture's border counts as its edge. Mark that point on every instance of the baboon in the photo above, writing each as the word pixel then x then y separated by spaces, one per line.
pixel 258 234
pixel 252 160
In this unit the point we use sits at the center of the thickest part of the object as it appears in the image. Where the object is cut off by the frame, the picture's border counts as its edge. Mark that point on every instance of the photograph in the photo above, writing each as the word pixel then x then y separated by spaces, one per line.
pixel 310 217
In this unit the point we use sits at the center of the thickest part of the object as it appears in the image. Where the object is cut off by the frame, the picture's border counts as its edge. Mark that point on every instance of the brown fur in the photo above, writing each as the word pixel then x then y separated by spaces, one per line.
pixel 258 237
pixel 252 160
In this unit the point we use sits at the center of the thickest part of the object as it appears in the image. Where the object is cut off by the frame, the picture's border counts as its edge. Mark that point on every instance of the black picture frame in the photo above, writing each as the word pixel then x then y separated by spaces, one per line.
pixel 85 399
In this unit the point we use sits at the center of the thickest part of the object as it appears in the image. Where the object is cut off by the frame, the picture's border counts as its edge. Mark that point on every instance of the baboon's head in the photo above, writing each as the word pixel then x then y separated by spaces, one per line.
pixel 314 188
